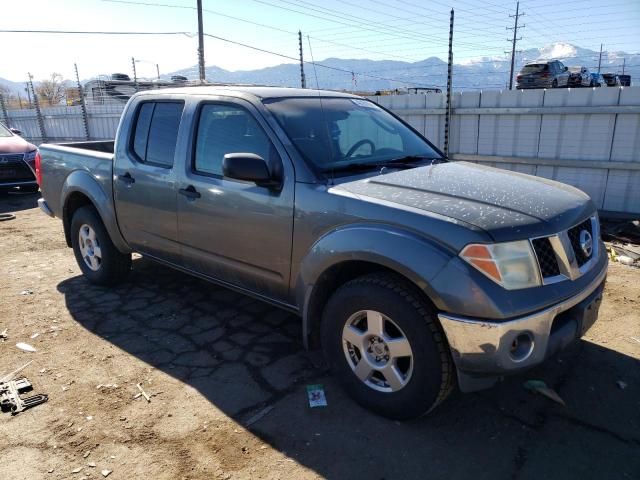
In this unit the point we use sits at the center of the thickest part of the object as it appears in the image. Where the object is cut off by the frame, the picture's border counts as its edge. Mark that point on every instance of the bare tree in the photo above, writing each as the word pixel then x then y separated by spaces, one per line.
pixel 10 98
pixel 52 90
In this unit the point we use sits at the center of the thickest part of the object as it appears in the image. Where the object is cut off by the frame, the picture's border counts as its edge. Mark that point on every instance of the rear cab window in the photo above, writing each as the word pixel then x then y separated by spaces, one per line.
pixel 155 132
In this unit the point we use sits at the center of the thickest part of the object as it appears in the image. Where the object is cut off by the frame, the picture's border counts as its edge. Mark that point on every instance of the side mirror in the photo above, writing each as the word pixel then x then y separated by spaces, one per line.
pixel 250 168
pixel 15 131
pixel 566 68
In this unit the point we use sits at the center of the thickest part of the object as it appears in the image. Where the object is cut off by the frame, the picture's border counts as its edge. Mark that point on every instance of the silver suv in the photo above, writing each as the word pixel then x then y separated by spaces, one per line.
pixel 551 74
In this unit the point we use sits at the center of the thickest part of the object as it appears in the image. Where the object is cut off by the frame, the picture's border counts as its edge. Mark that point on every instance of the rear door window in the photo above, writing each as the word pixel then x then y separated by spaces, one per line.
pixel 156 132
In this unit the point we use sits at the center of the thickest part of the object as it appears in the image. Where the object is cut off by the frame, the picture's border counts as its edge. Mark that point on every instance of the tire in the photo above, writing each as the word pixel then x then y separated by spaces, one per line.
pixel 426 376
pixel 105 265
pixel 591 83
pixel 554 84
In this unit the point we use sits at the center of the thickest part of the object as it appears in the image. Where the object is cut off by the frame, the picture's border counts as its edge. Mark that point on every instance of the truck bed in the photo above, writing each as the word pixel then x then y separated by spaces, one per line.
pixel 76 164
pixel 104 146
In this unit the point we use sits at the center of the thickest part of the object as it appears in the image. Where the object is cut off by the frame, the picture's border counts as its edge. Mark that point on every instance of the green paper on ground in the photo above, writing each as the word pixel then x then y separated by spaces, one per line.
pixel 316 396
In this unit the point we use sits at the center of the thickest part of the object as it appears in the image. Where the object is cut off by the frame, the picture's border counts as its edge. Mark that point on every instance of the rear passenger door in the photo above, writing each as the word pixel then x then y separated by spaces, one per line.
pixel 231 230
pixel 145 180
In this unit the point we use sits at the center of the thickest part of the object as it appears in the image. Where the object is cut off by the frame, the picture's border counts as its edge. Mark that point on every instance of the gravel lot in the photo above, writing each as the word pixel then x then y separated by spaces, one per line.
pixel 213 359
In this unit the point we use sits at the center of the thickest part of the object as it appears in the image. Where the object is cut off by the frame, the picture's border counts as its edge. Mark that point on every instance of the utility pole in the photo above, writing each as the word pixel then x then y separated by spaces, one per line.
pixel 600 59
pixel 303 80
pixel 83 106
pixel 514 40
pixel 624 61
pixel 158 71
pixel 447 118
pixel 200 43
pixel 135 74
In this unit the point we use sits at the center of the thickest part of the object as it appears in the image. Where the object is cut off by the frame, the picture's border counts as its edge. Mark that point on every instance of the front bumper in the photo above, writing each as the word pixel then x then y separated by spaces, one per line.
pixel 484 350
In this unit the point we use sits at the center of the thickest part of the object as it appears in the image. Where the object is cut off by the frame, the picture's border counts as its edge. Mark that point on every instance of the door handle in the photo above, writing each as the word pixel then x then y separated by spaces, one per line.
pixel 127 178
pixel 190 192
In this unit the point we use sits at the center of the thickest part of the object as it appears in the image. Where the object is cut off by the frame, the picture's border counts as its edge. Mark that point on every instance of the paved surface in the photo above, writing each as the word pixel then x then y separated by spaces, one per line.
pixel 216 359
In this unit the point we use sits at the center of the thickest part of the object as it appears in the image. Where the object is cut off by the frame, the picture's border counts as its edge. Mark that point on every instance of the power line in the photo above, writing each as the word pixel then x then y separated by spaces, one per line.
pixel 282 55
pixel 85 32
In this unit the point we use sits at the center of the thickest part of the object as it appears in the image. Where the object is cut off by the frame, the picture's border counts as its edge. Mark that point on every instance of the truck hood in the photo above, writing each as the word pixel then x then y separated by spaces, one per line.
pixel 507 205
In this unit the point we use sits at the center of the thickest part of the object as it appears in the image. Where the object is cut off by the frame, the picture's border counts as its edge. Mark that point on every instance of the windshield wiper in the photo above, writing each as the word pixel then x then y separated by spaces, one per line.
pixel 406 162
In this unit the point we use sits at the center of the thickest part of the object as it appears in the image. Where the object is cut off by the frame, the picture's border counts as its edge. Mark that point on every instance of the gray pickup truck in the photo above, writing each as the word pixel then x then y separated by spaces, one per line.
pixel 411 272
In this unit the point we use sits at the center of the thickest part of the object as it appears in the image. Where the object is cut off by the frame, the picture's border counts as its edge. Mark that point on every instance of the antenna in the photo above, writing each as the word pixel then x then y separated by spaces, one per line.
pixel 324 115
pixel 313 62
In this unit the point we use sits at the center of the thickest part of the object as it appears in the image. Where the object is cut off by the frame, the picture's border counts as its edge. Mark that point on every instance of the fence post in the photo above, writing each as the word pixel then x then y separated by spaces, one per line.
pixel 4 110
pixel 36 103
pixel 85 118
pixel 447 118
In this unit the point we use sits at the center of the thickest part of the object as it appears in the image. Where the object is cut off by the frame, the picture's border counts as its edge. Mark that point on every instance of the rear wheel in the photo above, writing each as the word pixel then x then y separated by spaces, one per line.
pixel 99 260
pixel 383 343
pixel 554 84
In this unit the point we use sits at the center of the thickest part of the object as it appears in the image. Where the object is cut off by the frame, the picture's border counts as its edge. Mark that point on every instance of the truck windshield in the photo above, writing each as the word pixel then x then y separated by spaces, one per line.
pixel 340 133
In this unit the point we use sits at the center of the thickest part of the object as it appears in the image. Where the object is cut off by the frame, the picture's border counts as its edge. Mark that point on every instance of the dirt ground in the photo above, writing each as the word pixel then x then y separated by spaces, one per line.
pixel 227 375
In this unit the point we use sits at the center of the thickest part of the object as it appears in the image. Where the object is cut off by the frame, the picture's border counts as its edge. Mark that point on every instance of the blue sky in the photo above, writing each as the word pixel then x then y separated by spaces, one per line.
pixel 407 30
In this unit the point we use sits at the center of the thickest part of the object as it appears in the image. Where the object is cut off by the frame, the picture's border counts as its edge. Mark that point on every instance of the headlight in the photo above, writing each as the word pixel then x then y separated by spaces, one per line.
pixel 30 156
pixel 511 264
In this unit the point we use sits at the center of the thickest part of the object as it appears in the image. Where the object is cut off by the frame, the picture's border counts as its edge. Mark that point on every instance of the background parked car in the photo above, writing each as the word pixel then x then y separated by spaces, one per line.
pixel 611 79
pixel 17 161
pixel 625 80
pixel 597 80
pixel 579 77
pixel 551 74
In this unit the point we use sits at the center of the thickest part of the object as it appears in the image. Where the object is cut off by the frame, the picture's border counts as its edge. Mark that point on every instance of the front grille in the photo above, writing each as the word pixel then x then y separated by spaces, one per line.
pixel 574 238
pixel 13 169
pixel 546 257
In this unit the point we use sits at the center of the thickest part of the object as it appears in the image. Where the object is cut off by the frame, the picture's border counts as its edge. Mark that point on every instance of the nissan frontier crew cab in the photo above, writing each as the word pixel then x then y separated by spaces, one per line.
pixel 412 273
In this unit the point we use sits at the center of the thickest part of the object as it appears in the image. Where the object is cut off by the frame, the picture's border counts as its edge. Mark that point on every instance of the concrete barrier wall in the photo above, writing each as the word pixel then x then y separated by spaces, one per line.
pixel 588 137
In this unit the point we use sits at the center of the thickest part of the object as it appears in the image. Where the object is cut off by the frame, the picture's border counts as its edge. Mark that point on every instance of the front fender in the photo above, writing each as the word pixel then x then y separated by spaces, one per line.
pixel 81 181
pixel 407 253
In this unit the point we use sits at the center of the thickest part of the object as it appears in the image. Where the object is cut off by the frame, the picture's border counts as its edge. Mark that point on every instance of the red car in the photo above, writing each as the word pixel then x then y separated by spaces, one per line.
pixel 17 161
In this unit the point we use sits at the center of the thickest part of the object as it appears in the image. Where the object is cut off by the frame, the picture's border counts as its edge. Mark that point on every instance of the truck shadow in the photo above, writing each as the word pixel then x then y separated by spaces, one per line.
pixel 244 356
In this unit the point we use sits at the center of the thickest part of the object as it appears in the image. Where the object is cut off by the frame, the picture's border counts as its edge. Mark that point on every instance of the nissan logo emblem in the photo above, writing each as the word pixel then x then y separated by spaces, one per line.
pixel 586 243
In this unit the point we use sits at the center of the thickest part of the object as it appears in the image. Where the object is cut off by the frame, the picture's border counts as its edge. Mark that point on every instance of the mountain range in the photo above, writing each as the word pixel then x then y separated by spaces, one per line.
pixel 486 73
pixel 370 75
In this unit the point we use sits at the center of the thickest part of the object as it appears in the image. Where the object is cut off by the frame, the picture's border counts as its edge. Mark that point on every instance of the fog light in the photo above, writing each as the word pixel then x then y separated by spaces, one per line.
pixel 521 347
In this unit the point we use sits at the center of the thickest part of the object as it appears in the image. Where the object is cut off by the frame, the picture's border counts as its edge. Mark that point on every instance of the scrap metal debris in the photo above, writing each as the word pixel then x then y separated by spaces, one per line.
pixel 10 399
pixel 6 216
pixel 25 347
pixel 3 334
pixel 143 393
pixel 258 416
pixel 540 387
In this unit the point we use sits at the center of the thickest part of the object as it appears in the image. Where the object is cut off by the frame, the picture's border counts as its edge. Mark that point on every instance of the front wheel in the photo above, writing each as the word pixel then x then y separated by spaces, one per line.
pixel 99 260
pixel 382 341
pixel 554 84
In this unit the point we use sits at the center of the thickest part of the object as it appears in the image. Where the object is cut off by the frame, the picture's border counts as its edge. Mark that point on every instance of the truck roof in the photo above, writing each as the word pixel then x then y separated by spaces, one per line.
pixel 255 91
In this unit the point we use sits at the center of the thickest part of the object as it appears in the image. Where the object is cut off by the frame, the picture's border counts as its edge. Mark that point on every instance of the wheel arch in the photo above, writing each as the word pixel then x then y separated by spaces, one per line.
pixel 81 189
pixel 332 263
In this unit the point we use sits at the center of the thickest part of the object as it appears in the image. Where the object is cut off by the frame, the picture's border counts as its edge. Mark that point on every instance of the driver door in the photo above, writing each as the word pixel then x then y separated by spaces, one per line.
pixel 231 230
